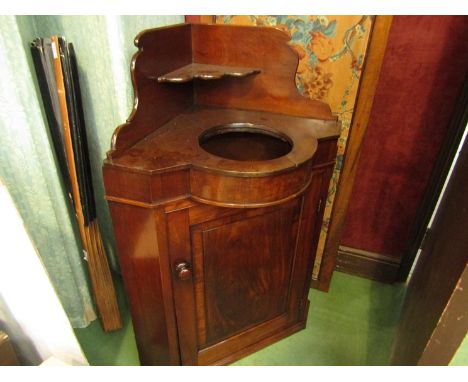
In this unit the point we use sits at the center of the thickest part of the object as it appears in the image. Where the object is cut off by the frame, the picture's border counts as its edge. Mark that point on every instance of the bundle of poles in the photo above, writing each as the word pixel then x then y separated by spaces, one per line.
pixel 57 73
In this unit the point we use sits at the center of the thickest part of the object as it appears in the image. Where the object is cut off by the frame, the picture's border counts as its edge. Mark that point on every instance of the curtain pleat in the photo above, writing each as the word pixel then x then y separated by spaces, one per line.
pixel 104 46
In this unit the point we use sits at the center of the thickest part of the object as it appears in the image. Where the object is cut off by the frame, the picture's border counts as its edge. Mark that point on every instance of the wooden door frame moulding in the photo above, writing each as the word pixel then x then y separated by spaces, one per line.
pixel 367 89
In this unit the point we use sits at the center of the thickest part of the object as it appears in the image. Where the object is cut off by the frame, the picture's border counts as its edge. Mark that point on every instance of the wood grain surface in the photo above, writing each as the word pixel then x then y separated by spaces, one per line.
pixel 216 252
pixel 164 50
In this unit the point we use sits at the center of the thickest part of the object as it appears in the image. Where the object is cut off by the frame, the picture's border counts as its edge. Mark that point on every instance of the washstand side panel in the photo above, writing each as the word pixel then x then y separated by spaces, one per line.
pixel 142 251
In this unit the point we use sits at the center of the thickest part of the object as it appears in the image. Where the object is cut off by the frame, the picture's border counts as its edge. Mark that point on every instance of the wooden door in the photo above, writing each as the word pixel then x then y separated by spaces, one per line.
pixel 243 278
pixel 439 174
pixel 435 313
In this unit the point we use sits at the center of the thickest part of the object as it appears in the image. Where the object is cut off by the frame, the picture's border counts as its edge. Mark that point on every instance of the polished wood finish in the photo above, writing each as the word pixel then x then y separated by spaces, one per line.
pixel 224 190
pixel 217 253
pixel 201 238
pixel 215 180
pixel 367 88
pixel 98 266
pixel 141 249
pixel 230 278
pixel 274 89
pixel 434 320
pixel 186 235
pixel 205 72
pixel 160 51
pixel 164 50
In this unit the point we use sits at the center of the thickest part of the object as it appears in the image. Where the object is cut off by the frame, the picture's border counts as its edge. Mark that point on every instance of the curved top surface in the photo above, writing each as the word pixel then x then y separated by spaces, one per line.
pixel 176 144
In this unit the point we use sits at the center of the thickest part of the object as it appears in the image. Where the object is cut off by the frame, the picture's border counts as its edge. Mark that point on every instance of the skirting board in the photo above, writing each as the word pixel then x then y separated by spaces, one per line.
pixel 367 264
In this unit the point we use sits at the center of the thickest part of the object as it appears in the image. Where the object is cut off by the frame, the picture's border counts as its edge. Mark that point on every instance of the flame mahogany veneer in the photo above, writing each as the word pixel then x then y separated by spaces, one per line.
pixel 216 253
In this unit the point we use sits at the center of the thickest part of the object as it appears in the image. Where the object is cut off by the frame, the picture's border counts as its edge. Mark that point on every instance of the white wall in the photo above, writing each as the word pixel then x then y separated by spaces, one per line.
pixel 30 311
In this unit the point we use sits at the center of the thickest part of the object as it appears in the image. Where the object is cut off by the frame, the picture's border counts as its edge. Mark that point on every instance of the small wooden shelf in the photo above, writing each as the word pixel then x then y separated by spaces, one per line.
pixel 205 72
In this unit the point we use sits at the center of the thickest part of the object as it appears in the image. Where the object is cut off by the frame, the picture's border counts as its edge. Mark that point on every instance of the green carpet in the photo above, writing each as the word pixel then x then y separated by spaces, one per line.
pixel 353 324
pixel 461 356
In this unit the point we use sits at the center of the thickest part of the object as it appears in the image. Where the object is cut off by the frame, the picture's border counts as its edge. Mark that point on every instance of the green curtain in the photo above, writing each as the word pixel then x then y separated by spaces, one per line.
pixel 104 47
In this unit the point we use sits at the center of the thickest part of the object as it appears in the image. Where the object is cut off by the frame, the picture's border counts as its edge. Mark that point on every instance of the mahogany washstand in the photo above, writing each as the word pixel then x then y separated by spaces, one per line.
pixel 216 187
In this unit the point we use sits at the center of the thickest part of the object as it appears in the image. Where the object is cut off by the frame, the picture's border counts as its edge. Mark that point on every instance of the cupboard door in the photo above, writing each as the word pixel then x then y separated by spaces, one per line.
pixel 239 289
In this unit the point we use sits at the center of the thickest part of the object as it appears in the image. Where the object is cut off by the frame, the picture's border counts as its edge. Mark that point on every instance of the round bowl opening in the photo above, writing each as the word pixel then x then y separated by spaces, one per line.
pixel 244 142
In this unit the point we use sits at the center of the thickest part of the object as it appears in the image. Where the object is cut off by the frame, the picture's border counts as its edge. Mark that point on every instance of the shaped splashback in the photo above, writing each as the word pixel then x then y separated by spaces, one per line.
pixel 240 67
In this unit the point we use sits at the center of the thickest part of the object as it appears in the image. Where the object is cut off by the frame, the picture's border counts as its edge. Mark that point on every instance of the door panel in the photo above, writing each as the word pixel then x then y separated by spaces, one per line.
pixel 239 291
pixel 239 261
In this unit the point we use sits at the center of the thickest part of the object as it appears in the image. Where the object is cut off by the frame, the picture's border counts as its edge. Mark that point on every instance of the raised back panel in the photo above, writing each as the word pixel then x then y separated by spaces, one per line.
pixel 267 49
pixel 163 50
pixel 160 50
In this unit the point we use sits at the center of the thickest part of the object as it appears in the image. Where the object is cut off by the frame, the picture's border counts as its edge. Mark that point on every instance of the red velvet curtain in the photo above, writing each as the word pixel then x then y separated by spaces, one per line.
pixel 422 74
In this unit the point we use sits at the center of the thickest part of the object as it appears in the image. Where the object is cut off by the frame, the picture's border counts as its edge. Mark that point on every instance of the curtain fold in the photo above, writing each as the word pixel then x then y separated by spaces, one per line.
pixel 104 45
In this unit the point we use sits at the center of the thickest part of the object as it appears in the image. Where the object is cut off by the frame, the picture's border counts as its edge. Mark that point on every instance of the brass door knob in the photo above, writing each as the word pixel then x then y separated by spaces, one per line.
pixel 183 271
